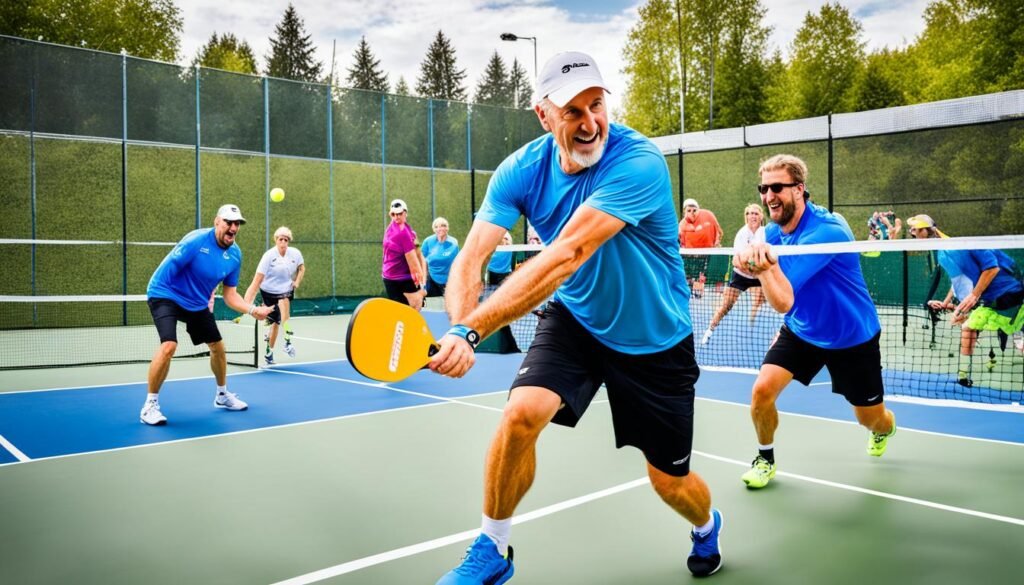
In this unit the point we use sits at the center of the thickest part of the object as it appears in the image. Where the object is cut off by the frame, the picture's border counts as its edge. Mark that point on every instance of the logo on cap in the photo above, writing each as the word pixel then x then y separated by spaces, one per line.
pixel 571 66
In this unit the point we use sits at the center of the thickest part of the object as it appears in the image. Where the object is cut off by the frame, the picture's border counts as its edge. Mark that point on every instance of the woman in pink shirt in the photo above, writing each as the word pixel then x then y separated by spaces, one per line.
pixel 402 270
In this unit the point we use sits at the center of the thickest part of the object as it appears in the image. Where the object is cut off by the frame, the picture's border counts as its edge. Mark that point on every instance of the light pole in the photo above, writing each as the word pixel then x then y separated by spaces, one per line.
pixel 512 37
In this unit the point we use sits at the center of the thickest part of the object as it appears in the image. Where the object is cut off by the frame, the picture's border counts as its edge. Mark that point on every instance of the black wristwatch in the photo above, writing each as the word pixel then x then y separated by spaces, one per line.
pixel 470 335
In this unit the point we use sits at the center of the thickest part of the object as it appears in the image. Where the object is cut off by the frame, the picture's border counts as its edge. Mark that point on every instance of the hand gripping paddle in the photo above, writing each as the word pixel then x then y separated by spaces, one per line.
pixel 388 341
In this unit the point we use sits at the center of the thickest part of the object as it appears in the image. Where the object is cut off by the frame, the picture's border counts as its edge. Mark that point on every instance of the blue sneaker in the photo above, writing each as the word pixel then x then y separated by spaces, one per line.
pixel 706 556
pixel 482 565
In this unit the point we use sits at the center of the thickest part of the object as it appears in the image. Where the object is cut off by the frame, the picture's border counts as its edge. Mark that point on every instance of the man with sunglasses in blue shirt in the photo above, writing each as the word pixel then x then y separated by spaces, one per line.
pixel 830 320
pixel 180 290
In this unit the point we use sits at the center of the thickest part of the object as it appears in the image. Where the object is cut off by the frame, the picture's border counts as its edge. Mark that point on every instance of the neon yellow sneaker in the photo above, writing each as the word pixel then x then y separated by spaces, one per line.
pixel 877 443
pixel 759 474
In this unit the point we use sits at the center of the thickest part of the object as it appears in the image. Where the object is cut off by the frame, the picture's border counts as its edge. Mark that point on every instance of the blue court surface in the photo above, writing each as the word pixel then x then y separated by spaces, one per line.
pixel 52 423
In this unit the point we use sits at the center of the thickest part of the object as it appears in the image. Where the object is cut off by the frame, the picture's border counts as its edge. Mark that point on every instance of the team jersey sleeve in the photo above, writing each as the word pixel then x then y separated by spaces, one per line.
pixel 502 206
pixel 632 189
pixel 739 242
pixel 299 259
pixel 985 259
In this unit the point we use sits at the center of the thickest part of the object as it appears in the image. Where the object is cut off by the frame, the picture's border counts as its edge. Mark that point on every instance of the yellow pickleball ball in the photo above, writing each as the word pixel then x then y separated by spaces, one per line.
pixel 277 195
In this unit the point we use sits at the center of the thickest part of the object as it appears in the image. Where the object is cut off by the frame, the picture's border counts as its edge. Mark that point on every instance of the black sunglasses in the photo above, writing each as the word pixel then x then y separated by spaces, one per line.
pixel 775 187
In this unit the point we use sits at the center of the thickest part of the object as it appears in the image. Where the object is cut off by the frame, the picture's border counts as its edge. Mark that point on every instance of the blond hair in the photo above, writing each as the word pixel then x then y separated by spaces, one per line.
pixel 796 168
pixel 754 207
pixel 439 221
pixel 283 231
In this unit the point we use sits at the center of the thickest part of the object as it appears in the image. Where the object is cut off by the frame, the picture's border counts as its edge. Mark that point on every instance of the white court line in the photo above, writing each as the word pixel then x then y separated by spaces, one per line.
pixel 466 535
pixel 14 450
pixel 392 388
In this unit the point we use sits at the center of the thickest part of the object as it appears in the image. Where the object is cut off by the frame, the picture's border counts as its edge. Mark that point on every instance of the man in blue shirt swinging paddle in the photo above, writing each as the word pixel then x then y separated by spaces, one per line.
pixel 830 320
pixel 181 289
pixel 600 195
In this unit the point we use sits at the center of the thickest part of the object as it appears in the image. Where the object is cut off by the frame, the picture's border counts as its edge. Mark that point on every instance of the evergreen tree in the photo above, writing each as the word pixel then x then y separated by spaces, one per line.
pixel 366 72
pixel 226 52
pixel 520 84
pixel 292 50
pixel 440 76
pixel 495 86
pixel 402 88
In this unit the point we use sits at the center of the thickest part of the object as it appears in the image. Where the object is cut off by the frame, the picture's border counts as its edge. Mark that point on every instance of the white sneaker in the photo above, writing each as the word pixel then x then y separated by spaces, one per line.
pixel 151 414
pixel 269 358
pixel 230 401
pixel 707 336
pixel 289 349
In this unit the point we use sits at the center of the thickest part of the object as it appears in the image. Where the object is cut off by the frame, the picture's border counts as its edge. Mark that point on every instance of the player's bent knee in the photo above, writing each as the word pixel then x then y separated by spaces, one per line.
pixel 168 348
pixel 216 348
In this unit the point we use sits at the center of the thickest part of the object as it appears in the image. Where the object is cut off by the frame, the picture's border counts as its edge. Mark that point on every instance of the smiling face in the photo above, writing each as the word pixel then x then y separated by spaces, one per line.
pixel 580 128
pixel 787 206
pixel 753 217
pixel 441 231
pixel 399 217
pixel 225 231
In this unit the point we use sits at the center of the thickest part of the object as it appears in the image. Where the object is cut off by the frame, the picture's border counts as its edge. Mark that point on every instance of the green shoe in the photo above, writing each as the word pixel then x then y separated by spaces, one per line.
pixel 759 474
pixel 877 443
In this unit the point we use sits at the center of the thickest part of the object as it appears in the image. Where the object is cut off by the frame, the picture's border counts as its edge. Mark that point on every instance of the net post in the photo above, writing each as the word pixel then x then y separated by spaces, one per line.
pixel 906 295
pixel 124 184
pixel 679 172
pixel 199 167
pixel 472 194
pixel 266 162
pixel 831 166
pixel 330 178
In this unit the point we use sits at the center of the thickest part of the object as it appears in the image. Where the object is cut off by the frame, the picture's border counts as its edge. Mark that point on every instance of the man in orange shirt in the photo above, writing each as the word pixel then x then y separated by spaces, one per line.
pixel 698 229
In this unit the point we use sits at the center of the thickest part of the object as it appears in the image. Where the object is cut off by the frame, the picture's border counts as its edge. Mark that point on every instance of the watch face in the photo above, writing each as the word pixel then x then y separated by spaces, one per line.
pixel 473 337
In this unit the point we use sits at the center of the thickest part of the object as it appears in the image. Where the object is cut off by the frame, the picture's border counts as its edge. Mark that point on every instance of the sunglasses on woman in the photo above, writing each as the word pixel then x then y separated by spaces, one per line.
pixel 775 187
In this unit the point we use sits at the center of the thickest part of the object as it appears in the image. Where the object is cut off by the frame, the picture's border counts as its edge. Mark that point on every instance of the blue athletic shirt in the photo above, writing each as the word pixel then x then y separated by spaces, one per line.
pixel 501 263
pixel 831 308
pixel 440 256
pixel 191 271
pixel 971 263
pixel 631 294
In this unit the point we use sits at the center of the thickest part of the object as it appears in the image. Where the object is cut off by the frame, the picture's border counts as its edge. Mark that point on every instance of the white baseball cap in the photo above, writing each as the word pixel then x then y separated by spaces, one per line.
pixel 230 212
pixel 565 75
pixel 690 203
pixel 398 206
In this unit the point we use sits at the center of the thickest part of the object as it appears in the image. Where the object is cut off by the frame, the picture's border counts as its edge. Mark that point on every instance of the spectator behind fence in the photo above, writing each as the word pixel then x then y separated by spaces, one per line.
pixel 500 265
pixel 698 229
pixel 884 225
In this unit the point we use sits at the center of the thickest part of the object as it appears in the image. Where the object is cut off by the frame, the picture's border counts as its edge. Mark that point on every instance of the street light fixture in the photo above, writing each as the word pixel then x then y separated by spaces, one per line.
pixel 512 37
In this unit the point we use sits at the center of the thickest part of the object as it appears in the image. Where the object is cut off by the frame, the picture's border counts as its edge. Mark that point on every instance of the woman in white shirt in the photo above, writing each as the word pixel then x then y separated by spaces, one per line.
pixel 278 275
pixel 751 232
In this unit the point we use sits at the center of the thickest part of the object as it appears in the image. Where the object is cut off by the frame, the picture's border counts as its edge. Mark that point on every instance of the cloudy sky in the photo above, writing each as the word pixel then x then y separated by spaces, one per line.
pixel 399 32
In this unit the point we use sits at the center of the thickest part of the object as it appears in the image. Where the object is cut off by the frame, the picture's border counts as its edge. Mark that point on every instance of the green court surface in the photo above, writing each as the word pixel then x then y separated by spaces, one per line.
pixel 394 497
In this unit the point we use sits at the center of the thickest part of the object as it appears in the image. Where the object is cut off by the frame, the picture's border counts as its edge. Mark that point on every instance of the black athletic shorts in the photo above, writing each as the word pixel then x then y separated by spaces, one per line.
pixel 496 278
pixel 742 283
pixel 396 289
pixel 201 326
pixel 434 289
pixel 271 299
pixel 856 371
pixel 651 396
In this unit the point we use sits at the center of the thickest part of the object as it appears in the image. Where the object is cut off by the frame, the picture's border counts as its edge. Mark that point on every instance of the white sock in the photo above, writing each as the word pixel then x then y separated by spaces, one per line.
pixel 222 389
pixel 151 397
pixel 497 530
pixel 707 528
pixel 766 447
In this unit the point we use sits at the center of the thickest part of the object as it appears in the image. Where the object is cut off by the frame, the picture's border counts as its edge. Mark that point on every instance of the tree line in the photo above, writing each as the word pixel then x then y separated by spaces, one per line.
pixel 151 29
pixel 715 54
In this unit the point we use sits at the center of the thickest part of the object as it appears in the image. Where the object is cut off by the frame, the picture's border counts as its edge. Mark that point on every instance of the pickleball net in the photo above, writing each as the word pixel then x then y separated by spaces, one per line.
pixel 58 331
pixel 921 348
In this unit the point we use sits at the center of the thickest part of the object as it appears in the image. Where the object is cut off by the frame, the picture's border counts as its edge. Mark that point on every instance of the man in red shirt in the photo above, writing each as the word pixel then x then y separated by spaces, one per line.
pixel 698 229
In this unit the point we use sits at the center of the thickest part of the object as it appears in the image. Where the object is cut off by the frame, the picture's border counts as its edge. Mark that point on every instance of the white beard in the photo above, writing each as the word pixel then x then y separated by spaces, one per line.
pixel 587 160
